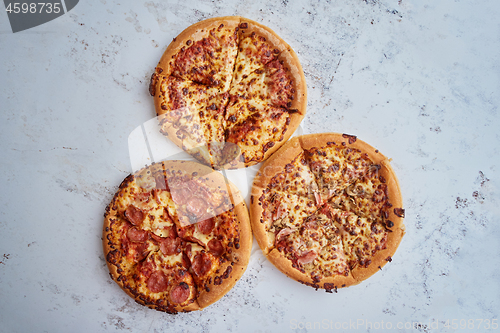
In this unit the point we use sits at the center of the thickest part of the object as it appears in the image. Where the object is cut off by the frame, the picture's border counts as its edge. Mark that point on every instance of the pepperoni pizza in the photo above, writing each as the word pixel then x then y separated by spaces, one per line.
pixel 229 91
pixel 176 236
pixel 326 209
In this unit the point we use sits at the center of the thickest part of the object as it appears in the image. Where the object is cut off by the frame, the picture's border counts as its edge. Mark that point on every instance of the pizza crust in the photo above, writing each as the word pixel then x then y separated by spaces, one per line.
pixel 225 279
pixel 277 163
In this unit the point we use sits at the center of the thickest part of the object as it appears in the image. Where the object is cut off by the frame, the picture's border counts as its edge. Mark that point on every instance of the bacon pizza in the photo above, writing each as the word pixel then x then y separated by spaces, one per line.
pixel 229 91
pixel 176 236
pixel 326 209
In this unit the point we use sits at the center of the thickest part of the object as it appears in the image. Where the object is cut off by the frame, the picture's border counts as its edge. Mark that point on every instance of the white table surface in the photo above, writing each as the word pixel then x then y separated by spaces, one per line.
pixel 419 80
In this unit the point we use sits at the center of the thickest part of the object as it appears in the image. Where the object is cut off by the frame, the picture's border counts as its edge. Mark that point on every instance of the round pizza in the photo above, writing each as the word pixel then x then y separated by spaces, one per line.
pixel 326 209
pixel 177 236
pixel 229 91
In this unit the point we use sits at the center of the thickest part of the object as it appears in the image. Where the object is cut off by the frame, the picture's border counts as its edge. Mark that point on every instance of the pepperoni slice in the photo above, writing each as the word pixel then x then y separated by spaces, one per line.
pixel 201 264
pixel 180 195
pixel 205 227
pixel 283 233
pixel 170 246
pixel 134 215
pixel 180 293
pixel 157 282
pixel 307 257
pixel 161 182
pixel 136 235
pixel 216 247
pixel 197 206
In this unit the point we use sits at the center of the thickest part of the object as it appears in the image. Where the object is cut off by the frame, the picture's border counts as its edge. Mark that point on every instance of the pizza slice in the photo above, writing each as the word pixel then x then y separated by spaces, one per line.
pixel 290 174
pixel 336 167
pixel 204 53
pixel 256 131
pixel 258 45
pixel 192 116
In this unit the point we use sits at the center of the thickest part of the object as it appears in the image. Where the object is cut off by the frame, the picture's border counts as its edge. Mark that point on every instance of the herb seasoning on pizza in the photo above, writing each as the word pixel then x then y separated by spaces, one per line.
pixel 177 236
pixel 326 209
pixel 229 91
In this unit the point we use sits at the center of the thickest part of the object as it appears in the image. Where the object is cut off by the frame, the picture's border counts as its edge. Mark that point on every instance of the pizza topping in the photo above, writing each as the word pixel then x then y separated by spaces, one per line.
pixel 157 282
pixel 307 257
pixel 351 138
pixel 180 293
pixel 134 215
pixel 206 226
pixel 201 264
pixel 399 212
pixel 283 233
pixel 170 246
pixel 136 235
pixel 216 247
pixel 197 206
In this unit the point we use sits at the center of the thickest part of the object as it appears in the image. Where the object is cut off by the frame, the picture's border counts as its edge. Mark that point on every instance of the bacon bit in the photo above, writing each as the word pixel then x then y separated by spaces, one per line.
pixel 283 233
pixel 319 201
pixel 228 271
pixel 278 213
pixel 307 257
pixel 166 215
pixel 156 195
pixel 351 138
pixel 169 246
pixel 400 212
pixel 152 84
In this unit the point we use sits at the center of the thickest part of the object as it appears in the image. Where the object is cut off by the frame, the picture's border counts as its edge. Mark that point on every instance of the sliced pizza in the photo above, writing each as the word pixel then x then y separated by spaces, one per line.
pixel 347 231
pixel 229 91
pixel 176 236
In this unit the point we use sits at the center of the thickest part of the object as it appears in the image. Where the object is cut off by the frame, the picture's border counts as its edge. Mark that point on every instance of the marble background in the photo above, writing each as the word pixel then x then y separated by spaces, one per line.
pixel 419 80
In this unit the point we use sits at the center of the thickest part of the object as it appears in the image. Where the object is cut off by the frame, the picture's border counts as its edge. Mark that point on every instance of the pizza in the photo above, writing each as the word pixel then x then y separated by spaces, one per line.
pixel 176 236
pixel 326 210
pixel 229 91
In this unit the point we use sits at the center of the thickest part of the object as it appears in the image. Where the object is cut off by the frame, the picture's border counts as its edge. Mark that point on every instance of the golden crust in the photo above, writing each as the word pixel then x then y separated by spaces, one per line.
pixel 230 270
pixel 328 283
pixel 248 27
pixel 284 156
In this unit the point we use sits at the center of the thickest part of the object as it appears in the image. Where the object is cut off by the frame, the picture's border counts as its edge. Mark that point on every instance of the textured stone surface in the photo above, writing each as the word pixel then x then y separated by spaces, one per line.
pixel 419 80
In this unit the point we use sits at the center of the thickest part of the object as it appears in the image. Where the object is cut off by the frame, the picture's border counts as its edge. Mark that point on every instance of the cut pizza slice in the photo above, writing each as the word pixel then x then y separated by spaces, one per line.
pixel 336 167
pixel 258 45
pixel 192 116
pixel 256 130
pixel 290 173
pixel 280 214
pixel 204 53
